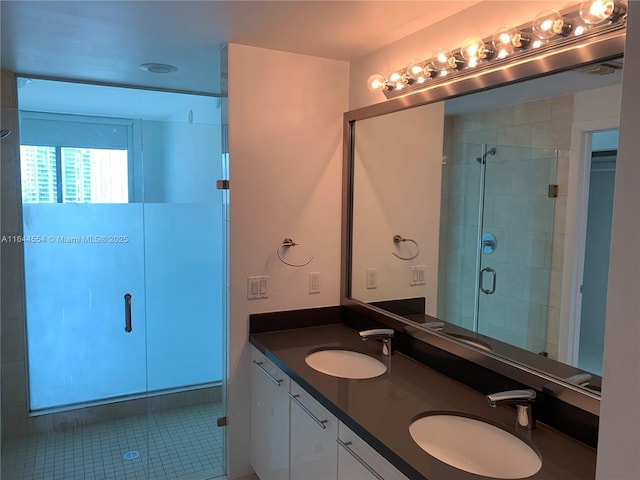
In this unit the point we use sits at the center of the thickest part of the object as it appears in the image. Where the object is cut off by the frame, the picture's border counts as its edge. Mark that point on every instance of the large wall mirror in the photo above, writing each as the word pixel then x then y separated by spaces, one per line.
pixel 485 217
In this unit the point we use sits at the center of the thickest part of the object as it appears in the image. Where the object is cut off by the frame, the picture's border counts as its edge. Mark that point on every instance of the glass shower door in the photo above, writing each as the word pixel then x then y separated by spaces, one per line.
pixel 516 246
pixel 183 270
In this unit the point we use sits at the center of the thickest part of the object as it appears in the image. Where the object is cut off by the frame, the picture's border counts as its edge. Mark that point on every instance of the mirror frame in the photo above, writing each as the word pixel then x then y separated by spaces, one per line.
pixel 606 45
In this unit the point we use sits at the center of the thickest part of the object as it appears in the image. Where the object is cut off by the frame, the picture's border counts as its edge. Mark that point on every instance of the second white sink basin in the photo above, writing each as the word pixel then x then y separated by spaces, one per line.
pixel 475 446
pixel 345 364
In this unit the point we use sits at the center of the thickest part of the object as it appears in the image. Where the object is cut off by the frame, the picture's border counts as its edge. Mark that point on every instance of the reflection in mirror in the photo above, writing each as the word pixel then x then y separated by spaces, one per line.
pixel 493 191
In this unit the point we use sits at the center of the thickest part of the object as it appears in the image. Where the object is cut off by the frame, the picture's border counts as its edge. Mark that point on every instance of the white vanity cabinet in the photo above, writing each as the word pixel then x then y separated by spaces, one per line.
pixel 358 461
pixel 313 454
pixel 293 437
pixel 269 419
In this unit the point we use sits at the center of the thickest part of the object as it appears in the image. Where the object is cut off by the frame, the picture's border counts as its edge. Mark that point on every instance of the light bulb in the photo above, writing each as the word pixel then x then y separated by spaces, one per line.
pixel 415 68
pixel 442 60
pixel 594 12
pixel 548 24
pixel 474 49
pixel 507 39
pixel 377 82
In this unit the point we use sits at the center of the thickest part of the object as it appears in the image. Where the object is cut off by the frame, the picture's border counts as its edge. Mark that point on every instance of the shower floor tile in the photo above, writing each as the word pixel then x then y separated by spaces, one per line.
pixel 183 443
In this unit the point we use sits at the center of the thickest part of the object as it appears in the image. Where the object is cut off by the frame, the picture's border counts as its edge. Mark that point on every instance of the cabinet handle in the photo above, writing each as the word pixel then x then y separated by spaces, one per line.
pixel 266 372
pixel 346 446
pixel 321 423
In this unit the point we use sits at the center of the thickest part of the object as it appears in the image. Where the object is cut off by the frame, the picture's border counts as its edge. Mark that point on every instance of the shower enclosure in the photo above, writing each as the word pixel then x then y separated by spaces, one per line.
pixel 497 242
pixel 124 247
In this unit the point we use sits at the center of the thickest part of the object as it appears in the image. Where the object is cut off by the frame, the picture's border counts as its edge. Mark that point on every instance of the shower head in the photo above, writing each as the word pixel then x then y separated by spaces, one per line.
pixel 483 159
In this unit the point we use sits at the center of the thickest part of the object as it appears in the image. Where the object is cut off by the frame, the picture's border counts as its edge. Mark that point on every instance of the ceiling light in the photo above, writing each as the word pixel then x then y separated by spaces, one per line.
pixel 158 68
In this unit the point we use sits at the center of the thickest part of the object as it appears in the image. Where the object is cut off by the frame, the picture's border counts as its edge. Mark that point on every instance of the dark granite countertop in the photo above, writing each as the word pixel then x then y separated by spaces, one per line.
pixel 381 409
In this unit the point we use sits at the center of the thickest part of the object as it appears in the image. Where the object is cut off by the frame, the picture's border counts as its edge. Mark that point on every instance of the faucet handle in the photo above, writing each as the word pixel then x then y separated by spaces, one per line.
pixel 512 397
pixel 377 332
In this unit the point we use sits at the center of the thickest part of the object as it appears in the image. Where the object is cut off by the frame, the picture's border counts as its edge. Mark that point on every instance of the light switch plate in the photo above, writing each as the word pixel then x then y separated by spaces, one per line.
pixel 417 275
pixel 257 287
pixel 314 282
pixel 372 278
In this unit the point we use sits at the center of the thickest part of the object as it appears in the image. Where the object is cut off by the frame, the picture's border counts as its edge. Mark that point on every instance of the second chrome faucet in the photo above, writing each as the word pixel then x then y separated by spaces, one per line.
pixel 523 400
pixel 383 334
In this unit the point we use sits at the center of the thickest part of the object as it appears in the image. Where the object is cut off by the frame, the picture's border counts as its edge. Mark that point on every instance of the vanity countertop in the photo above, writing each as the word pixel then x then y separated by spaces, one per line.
pixel 381 409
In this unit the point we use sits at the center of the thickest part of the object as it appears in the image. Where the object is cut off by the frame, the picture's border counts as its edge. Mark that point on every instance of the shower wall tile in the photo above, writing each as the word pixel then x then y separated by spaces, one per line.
pixel 14 388
pixel 514 135
pixel 489 136
pixel 499 117
pixel 562 176
pixel 528 248
pixel 555 134
pixel 560 215
pixel 562 107
pixel 14 418
pixel 557 252
pixel 531 112
pixel 498 176
pixel 13 338
pixel 531 177
pixel 555 289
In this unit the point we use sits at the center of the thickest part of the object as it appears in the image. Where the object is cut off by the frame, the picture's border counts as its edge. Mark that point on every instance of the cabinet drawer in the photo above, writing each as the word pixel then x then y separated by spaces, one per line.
pixel 359 461
pixel 313 438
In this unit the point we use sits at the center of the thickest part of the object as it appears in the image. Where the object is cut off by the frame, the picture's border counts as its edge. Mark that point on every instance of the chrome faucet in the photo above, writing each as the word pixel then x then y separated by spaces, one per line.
pixel 523 400
pixel 384 334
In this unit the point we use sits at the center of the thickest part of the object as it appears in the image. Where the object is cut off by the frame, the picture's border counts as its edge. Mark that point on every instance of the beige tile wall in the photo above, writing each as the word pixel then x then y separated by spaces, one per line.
pixel 530 230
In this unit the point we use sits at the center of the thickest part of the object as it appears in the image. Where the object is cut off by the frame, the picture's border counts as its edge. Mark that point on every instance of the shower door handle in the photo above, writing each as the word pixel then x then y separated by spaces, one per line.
pixel 493 284
pixel 127 313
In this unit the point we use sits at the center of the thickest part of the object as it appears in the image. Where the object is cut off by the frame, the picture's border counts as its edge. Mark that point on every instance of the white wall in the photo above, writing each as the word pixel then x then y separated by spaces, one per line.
pixel 285 143
pixel 398 164
pixel 619 440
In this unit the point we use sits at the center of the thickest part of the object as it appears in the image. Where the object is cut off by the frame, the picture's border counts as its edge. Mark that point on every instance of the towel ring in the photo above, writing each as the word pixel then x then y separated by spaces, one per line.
pixel 286 243
pixel 397 239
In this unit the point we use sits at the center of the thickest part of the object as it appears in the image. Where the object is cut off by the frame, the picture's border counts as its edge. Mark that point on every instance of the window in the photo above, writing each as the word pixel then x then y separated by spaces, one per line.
pixel 73 175
pixel 77 159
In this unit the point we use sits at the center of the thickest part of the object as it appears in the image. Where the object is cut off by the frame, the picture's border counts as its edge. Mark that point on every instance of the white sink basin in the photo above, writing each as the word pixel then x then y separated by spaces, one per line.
pixel 345 364
pixel 475 446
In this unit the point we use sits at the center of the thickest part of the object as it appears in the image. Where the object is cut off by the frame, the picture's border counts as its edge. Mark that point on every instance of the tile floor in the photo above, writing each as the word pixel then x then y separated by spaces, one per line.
pixel 183 444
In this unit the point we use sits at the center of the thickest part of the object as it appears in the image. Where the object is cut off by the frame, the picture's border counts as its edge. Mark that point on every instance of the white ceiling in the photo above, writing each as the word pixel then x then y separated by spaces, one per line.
pixel 106 41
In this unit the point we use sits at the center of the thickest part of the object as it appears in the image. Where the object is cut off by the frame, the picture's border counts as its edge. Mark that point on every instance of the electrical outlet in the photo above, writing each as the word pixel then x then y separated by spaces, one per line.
pixel 257 287
pixel 372 278
pixel 314 282
pixel 417 275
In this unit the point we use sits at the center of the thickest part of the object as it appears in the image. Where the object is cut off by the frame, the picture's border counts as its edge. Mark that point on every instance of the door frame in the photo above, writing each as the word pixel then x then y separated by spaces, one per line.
pixel 575 236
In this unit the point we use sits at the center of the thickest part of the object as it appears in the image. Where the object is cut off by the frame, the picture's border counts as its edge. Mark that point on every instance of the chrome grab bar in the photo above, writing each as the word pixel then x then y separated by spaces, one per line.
pixel 493 286
pixel 127 313
pixel 295 398
pixel 347 447
pixel 266 372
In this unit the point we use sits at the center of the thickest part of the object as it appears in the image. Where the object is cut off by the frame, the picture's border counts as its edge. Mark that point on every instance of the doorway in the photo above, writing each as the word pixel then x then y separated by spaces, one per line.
pixel 123 283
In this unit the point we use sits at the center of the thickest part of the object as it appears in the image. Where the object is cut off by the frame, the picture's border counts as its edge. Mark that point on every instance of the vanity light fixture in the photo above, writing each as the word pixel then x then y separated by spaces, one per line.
pixel 444 61
pixel 507 40
pixel 549 23
pixel 377 82
pixel 595 12
pixel 474 50
pixel 550 29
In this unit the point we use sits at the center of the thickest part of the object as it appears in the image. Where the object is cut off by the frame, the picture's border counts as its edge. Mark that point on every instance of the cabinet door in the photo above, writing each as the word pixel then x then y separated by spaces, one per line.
pixel 269 419
pixel 313 438
pixel 358 461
